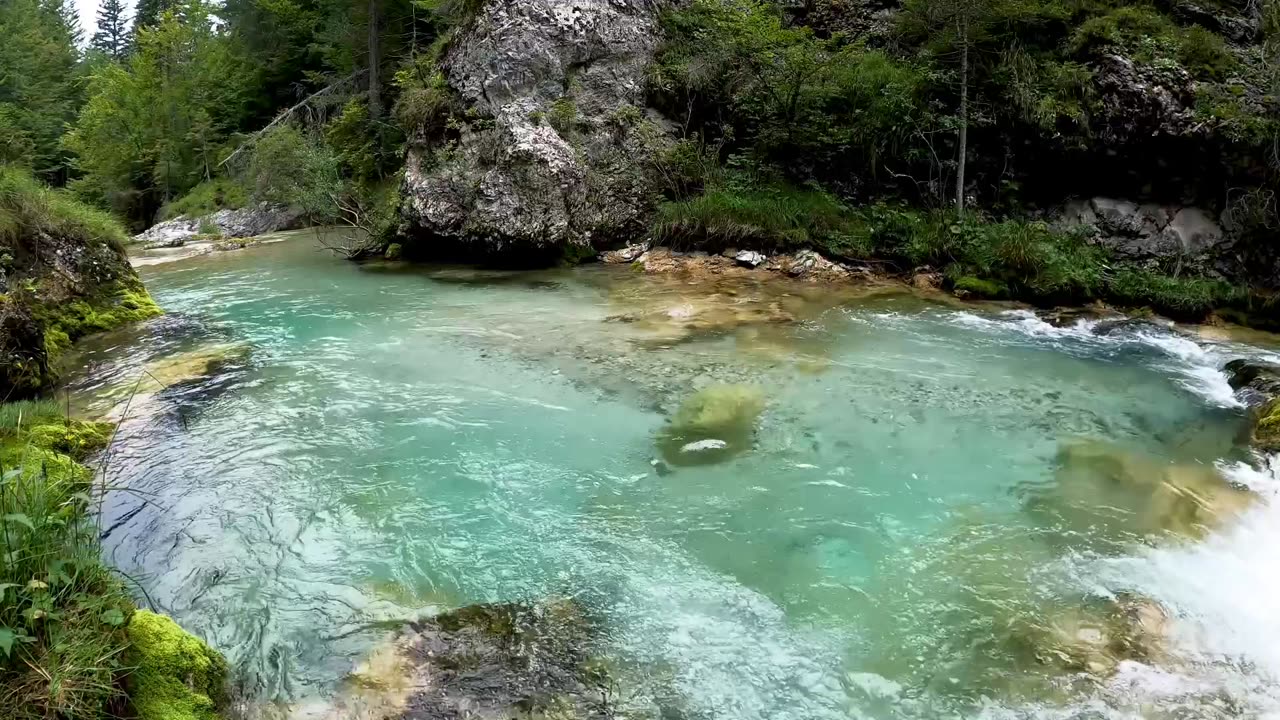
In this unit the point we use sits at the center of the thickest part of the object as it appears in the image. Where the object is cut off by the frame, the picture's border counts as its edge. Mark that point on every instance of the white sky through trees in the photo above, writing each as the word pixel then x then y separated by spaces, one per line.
pixel 88 10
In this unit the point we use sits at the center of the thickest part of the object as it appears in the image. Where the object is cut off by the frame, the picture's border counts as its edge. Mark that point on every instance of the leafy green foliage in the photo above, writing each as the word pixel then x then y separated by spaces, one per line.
pixel 208 197
pixel 153 127
pixel 61 611
pixel 801 102
pixel 292 167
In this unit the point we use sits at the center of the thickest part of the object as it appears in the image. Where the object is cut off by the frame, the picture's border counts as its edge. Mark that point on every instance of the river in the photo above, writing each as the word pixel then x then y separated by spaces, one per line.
pixel 388 441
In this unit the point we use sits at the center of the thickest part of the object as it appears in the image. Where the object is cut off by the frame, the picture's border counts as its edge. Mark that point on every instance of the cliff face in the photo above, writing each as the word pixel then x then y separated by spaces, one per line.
pixel 63 274
pixel 550 152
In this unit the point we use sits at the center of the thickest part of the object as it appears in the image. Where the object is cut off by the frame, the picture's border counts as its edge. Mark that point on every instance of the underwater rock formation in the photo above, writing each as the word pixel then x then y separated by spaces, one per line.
pixel 714 424
pixel 481 661
pixel 1102 487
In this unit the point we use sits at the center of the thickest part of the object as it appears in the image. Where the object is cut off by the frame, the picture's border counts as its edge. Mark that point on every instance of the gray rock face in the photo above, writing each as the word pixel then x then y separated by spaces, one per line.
pixel 558 157
pixel 1142 101
pixel 1147 232
pixel 240 223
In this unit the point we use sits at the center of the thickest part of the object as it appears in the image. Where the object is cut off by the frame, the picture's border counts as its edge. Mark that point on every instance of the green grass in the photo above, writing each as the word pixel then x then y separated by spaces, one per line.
pixel 206 198
pixel 777 218
pixel 27 206
pixel 62 613
pixel 980 257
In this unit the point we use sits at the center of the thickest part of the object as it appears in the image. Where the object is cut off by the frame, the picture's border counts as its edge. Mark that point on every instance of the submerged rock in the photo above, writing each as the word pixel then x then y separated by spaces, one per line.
pixel 1258 385
pixel 482 661
pixel 1092 637
pixel 1100 486
pixel 176 676
pixel 714 424
pixel 198 364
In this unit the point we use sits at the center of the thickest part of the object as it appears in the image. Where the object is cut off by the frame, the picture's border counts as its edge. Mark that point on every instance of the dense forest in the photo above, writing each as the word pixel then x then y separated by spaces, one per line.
pixel 928 133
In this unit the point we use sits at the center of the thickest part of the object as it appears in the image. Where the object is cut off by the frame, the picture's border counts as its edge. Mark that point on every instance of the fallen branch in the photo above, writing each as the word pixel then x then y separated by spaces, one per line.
pixel 291 112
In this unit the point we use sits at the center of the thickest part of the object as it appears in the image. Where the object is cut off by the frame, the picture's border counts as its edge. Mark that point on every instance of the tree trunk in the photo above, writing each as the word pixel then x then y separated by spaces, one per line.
pixel 375 59
pixel 964 118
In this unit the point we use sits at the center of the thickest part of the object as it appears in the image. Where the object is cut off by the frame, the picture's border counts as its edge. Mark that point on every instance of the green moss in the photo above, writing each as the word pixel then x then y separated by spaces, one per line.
pixel 723 413
pixel 177 676
pixel 978 287
pixel 1266 431
pixel 393 251
pixel 120 304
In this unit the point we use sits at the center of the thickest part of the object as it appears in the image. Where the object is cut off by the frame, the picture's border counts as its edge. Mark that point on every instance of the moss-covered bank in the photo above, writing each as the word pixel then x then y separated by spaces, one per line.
pixel 63 275
pixel 72 644
pixel 977 255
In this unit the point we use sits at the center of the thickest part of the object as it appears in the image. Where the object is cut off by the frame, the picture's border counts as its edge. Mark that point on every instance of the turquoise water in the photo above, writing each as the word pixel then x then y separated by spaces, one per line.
pixel 400 440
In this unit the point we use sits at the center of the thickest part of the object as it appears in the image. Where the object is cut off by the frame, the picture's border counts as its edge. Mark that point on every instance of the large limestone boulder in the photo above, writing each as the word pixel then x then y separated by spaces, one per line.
pixel 550 152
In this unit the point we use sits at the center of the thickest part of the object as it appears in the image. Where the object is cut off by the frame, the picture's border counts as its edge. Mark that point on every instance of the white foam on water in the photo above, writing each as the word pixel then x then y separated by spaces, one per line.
pixel 1196 365
pixel 731 652
pixel 1221 594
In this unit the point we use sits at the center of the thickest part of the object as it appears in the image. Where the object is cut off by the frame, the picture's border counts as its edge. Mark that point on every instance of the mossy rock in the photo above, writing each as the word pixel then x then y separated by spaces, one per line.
pixel 1266 429
pixel 713 425
pixel 393 252
pixel 176 675
pixel 968 286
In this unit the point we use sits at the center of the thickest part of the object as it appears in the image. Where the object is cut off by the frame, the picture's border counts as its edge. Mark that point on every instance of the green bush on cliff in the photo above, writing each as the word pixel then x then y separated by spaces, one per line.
pixel 208 197
pixel 27 206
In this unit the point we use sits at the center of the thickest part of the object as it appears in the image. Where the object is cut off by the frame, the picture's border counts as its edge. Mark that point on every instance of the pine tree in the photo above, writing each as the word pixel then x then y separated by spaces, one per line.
pixel 112 37
pixel 147 13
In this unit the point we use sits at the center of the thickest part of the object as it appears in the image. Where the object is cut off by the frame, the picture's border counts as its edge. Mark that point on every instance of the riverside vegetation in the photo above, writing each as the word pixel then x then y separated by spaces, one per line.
pixel 72 643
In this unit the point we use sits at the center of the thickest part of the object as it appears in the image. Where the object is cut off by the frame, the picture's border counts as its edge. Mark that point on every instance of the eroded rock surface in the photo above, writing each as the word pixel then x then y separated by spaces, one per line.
pixel 554 155
pixel 1148 231
pixel 482 661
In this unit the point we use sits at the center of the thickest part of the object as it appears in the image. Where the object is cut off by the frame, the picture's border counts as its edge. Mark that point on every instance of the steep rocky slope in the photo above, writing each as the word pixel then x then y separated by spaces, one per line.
pixel 549 144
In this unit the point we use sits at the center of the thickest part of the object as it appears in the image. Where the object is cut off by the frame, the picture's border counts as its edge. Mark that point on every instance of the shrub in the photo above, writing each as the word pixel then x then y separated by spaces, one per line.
pixel 1204 54
pixel 291 167
pixel 206 198
pixel 780 218
pixel 28 207
pixel 1182 298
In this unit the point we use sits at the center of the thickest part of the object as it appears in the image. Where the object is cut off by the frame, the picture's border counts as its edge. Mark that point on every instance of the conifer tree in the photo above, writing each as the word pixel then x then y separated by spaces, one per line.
pixel 112 37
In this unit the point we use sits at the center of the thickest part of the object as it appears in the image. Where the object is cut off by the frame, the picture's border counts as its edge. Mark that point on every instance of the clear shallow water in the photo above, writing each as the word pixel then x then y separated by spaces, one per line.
pixel 401 440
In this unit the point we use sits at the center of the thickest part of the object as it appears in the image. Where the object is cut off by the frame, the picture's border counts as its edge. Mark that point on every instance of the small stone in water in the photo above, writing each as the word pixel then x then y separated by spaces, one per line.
pixel 702 445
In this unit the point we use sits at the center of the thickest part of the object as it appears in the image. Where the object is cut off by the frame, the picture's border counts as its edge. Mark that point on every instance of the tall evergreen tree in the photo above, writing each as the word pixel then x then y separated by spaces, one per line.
pixel 147 13
pixel 39 83
pixel 112 37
